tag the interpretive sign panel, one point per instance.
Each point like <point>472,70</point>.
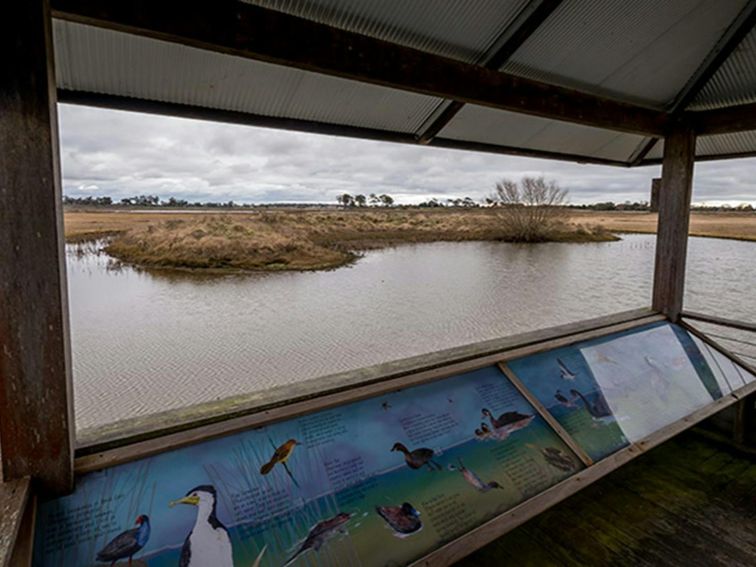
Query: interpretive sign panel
<point>381,481</point>
<point>729,375</point>
<point>620,388</point>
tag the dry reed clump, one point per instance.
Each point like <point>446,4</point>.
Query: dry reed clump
<point>285,240</point>
<point>222,243</point>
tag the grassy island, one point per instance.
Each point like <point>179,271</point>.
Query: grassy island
<point>287,239</point>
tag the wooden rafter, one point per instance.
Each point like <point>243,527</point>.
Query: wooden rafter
<point>243,30</point>
<point>117,102</point>
<point>526,23</point>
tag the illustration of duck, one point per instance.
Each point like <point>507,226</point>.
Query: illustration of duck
<point>562,399</point>
<point>208,544</point>
<point>404,519</point>
<point>319,534</point>
<point>473,479</point>
<point>418,458</point>
<point>559,459</point>
<point>507,423</point>
<point>565,372</point>
<point>483,432</point>
<point>599,410</point>
<point>126,544</point>
<point>280,455</point>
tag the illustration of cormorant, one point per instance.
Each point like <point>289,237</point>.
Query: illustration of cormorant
<point>565,372</point>
<point>319,533</point>
<point>208,544</point>
<point>404,520</point>
<point>418,458</point>
<point>599,409</point>
<point>562,399</point>
<point>281,455</point>
<point>473,479</point>
<point>126,544</point>
<point>559,459</point>
<point>507,423</point>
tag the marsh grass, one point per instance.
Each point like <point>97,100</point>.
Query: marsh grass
<point>313,240</point>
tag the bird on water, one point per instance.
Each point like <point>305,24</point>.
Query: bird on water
<point>127,543</point>
<point>320,533</point>
<point>404,520</point>
<point>418,458</point>
<point>208,544</point>
<point>508,422</point>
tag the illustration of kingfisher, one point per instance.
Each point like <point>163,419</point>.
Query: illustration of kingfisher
<point>280,455</point>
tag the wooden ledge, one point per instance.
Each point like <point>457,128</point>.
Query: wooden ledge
<point>14,496</point>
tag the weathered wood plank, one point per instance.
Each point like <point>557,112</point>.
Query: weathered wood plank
<point>36,425</point>
<point>244,30</point>
<point>544,413</point>
<point>139,429</point>
<point>14,496</point>
<point>151,446</point>
<point>23,551</point>
<point>674,219</point>
<point>713,319</point>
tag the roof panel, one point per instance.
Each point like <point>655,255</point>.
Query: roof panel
<point>103,61</point>
<point>717,145</point>
<point>480,124</point>
<point>642,51</point>
<point>459,30</point>
<point>734,82</point>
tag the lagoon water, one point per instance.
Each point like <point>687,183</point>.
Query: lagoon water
<point>145,342</point>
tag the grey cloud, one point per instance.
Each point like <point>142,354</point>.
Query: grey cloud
<point>123,154</point>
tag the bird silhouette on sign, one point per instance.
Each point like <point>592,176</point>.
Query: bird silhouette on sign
<point>127,543</point>
<point>418,458</point>
<point>320,533</point>
<point>473,479</point>
<point>404,520</point>
<point>281,454</point>
<point>565,372</point>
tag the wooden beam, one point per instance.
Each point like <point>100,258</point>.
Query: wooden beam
<point>131,104</point>
<point>674,219</point>
<point>525,24</point>
<point>721,321</point>
<point>243,30</point>
<point>97,458</point>
<point>14,497</point>
<point>739,118</point>
<point>36,425</point>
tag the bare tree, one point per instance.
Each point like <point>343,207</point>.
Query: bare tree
<point>532,210</point>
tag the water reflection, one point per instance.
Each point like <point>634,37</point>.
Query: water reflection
<point>150,341</point>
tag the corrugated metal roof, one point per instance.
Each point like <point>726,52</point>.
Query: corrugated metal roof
<point>721,144</point>
<point>479,124</point>
<point>642,51</point>
<point>459,30</point>
<point>734,82</point>
<point>103,61</point>
<point>717,145</point>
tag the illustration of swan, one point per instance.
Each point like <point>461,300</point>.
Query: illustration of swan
<point>599,410</point>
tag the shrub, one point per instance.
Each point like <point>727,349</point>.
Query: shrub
<point>533,210</point>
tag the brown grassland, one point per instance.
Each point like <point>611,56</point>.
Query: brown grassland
<point>286,239</point>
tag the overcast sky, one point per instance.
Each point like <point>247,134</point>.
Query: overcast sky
<point>122,154</point>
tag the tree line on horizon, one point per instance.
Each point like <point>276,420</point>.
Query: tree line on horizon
<point>357,201</point>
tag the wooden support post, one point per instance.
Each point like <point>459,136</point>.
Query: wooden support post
<point>674,219</point>
<point>655,186</point>
<point>36,425</point>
